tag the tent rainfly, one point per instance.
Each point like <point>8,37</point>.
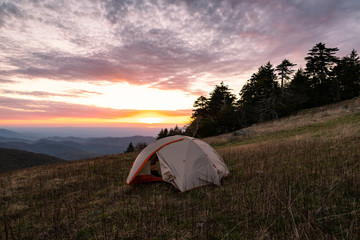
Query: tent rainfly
<point>183,161</point>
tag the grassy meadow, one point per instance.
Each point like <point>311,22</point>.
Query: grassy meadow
<point>295,178</point>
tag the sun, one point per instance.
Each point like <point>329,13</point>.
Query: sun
<point>150,120</point>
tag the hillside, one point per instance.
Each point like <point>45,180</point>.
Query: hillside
<point>11,159</point>
<point>296,178</point>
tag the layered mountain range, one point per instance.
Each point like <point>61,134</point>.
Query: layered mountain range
<point>69,148</point>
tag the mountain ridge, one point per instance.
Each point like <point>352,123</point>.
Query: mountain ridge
<point>71,148</point>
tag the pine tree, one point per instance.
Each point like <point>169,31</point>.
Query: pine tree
<point>259,96</point>
<point>220,98</point>
<point>284,71</point>
<point>320,61</point>
<point>163,133</point>
<point>201,106</point>
<point>347,74</point>
<point>140,146</point>
<point>175,131</point>
<point>130,148</point>
<point>214,115</point>
<point>300,91</point>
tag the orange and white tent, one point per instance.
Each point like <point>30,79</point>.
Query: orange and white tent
<point>183,161</point>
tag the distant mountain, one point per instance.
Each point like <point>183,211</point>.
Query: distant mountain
<point>8,133</point>
<point>4,133</point>
<point>12,139</point>
<point>12,159</point>
<point>73,148</point>
<point>110,145</point>
<point>67,139</point>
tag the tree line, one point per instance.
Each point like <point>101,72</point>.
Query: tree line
<point>276,91</point>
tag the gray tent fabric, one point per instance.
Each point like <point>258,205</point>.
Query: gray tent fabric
<point>185,162</point>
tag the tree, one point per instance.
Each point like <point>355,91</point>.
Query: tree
<point>284,71</point>
<point>163,133</point>
<point>175,131</point>
<point>259,96</point>
<point>220,98</point>
<point>130,148</point>
<point>347,74</point>
<point>320,61</point>
<point>214,115</point>
<point>201,106</point>
<point>300,91</point>
<point>140,146</point>
<point>172,132</point>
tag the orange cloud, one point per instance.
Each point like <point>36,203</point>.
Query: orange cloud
<point>30,112</point>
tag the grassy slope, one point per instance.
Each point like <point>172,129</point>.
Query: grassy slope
<point>294,178</point>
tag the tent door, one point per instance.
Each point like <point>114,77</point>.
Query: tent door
<point>155,168</point>
<point>166,172</point>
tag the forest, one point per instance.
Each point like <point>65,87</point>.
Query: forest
<point>274,92</point>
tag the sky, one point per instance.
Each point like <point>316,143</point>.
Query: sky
<point>122,63</point>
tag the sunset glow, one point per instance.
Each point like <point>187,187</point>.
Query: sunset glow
<point>150,120</point>
<point>166,118</point>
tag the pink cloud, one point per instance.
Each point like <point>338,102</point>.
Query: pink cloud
<point>21,109</point>
<point>219,38</point>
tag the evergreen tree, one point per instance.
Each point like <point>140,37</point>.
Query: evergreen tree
<point>320,61</point>
<point>130,148</point>
<point>163,133</point>
<point>201,106</point>
<point>140,146</point>
<point>259,96</point>
<point>300,91</point>
<point>347,74</point>
<point>284,71</point>
<point>214,115</point>
<point>175,131</point>
<point>220,98</point>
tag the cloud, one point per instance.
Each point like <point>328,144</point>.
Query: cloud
<point>6,81</point>
<point>82,93</point>
<point>8,11</point>
<point>167,44</point>
<point>116,10</point>
<point>23,109</point>
<point>43,94</point>
<point>12,108</point>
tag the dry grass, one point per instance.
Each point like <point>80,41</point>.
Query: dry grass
<point>311,121</point>
<point>292,179</point>
<point>310,117</point>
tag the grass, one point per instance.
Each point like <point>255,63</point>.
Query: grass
<point>299,179</point>
<point>316,130</point>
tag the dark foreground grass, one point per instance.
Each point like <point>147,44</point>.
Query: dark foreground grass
<point>300,187</point>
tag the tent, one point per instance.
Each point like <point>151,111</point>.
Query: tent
<point>183,161</point>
